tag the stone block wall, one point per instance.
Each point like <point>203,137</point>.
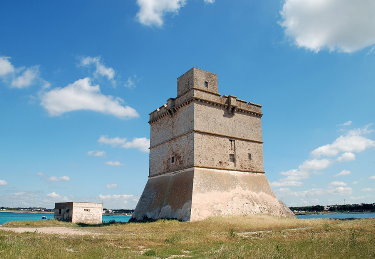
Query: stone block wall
<point>172,125</point>
<point>217,120</point>
<point>87,212</point>
<point>198,79</point>
<point>221,152</point>
<point>180,150</point>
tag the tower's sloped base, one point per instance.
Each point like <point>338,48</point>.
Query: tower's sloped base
<point>199,193</point>
<point>220,192</point>
<point>166,197</point>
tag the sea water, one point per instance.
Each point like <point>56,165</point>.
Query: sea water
<point>15,216</point>
<point>22,216</point>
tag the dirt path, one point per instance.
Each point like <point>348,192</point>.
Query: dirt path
<point>51,230</point>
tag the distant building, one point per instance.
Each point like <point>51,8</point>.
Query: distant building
<point>79,212</point>
<point>206,156</point>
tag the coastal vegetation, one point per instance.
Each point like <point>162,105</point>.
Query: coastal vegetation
<point>345,208</point>
<point>222,237</point>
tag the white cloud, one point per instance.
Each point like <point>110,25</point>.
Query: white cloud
<point>131,82</point>
<point>342,190</point>
<point>32,199</point>
<point>59,179</point>
<point>344,147</point>
<point>40,174</point>
<point>352,142</point>
<point>142,144</point>
<point>336,25</point>
<point>347,123</point>
<point>368,190</point>
<point>19,77</point>
<point>114,142</point>
<point>372,177</point>
<point>113,163</point>
<point>82,95</point>
<point>294,176</point>
<point>111,186</point>
<point>117,201</point>
<point>152,12</point>
<point>115,196</point>
<point>347,156</point>
<point>3,182</point>
<point>53,195</point>
<point>96,153</point>
<point>337,183</point>
<point>286,182</point>
<point>343,172</point>
<point>6,67</point>
<point>100,68</point>
<point>26,78</point>
<point>312,194</point>
<point>315,164</point>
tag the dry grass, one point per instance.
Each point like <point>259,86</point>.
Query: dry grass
<point>224,237</point>
<point>39,223</point>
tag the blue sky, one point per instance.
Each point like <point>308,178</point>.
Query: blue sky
<point>79,78</point>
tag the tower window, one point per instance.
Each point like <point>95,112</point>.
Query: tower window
<point>173,160</point>
<point>232,158</point>
<point>232,144</point>
<point>206,84</point>
<point>249,155</point>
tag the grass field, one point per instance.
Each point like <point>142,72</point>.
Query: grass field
<point>224,237</point>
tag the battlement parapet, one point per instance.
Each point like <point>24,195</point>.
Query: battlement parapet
<point>232,103</point>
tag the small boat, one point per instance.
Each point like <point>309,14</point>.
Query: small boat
<point>44,217</point>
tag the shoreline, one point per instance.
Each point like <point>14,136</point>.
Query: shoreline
<point>48,212</point>
<point>129,215</point>
<point>334,212</point>
<point>22,211</point>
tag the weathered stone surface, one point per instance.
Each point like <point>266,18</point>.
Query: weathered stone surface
<point>221,192</point>
<point>206,156</point>
<point>166,196</point>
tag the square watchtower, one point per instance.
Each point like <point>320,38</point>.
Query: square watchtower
<point>206,156</point>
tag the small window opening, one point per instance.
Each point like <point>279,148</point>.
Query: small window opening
<point>173,160</point>
<point>232,144</point>
<point>206,84</point>
<point>59,211</point>
<point>232,158</point>
<point>249,155</point>
<point>86,209</point>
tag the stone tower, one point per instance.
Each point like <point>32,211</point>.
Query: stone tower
<point>206,156</point>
